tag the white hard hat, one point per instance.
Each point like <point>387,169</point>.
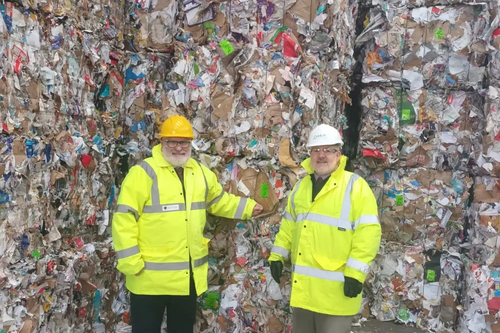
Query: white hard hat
<point>324,135</point>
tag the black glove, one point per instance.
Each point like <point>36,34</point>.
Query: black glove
<point>276,270</point>
<point>352,287</point>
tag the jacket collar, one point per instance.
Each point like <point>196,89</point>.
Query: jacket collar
<point>337,174</point>
<point>162,162</point>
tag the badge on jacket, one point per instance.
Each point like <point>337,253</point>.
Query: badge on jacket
<point>170,208</point>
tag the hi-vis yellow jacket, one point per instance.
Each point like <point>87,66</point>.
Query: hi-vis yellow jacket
<point>156,232</point>
<point>337,235</point>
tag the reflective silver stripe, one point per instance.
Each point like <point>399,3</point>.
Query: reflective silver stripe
<point>127,252</point>
<point>325,219</point>
<point>288,216</point>
<point>127,209</point>
<point>342,222</point>
<point>176,207</point>
<point>367,219</point>
<point>216,200</point>
<point>281,251</point>
<point>166,266</point>
<point>318,273</point>
<point>200,262</point>
<point>358,265</point>
<point>346,203</point>
<point>198,205</point>
<point>292,199</point>
<point>155,193</point>
<point>241,209</point>
<point>206,183</point>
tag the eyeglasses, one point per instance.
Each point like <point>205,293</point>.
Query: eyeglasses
<point>182,144</point>
<point>326,151</point>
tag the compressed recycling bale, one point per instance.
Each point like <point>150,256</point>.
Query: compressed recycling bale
<point>436,129</point>
<point>431,47</point>
<point>411,285</point>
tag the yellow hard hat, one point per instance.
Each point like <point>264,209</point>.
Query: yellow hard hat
<point>176,127</point>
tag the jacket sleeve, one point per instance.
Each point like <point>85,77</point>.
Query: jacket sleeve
<point>283,243</point>
<point>220,203</point>
<point>367,231</point>
<point>125,231</point>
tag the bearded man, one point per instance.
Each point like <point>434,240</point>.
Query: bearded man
<point>158,230</point>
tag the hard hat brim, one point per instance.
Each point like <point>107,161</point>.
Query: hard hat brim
<point>341,144</point>
<point>176,136</point>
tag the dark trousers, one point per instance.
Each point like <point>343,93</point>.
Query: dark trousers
<point>147,312</point>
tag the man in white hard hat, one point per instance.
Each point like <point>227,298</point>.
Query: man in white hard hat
<point>331,231</point>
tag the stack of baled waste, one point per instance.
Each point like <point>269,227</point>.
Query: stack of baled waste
<point>481,297</point>
<point>421,142</point>
<point>482,259</point>
<point>408,278</point>
<point>270,92</point>
<point>66,141</point>
<point>84,87</point>
<point>421,213</point>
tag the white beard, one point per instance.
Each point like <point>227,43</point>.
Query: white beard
<point>176,160</point>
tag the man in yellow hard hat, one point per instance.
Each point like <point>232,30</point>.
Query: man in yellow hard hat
<point>331,231</point>
<point>158,230</point>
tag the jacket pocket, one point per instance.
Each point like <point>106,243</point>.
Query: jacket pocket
<point>328,263</point>
<point>331,244</point>
<point>157,253</point>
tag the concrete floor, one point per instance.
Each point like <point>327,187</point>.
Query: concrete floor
<point>373,326</point>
